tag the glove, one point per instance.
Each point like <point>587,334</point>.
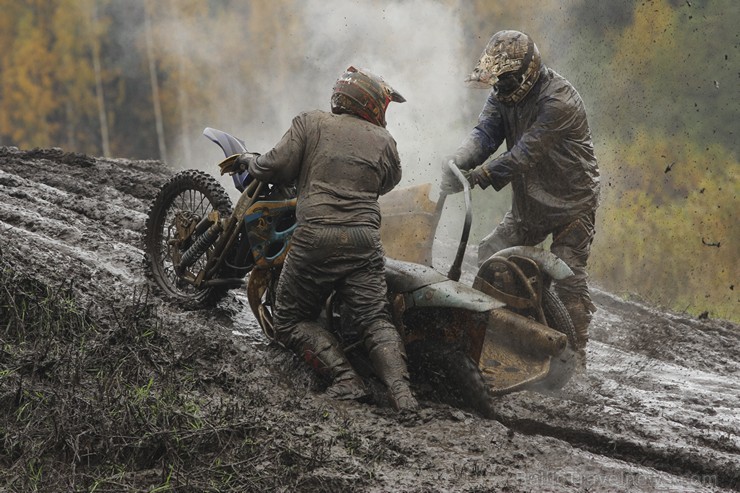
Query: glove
<point>237,163</point>
<point>477,177</point>
<point>450,184</point>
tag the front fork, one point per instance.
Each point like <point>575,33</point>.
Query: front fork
<point>204,240</point>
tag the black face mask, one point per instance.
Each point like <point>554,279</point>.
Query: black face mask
<point>507,83</point>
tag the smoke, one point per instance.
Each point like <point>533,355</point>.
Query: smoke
<point>296,54</point>
<point>416,46</point>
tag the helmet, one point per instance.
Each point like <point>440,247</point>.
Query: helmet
<point>363,94</point>
<point>510,63</point>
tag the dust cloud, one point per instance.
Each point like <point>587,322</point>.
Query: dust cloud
<point>416,46</point>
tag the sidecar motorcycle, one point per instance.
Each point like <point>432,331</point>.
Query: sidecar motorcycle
<point>506,332</point>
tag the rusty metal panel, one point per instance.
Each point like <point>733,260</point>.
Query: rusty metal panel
<point>409,221</point>
<point>517,351</point>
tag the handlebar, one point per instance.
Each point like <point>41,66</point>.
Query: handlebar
<point>456,267</point>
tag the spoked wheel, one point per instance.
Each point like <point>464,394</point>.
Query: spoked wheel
<point>182,202</point>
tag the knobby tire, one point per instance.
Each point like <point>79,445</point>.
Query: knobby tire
<point>185,182</point>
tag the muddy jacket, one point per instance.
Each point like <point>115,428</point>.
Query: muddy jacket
<point>341,163</point>
<point>550,160</point>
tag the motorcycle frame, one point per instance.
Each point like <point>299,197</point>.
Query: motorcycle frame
<point>251,207</point>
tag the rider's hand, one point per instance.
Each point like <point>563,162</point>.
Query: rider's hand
<point>450,184</point>
<point>477,177</point>
<point>237,163</point>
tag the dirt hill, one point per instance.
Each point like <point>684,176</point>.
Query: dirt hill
<point>105,386</point>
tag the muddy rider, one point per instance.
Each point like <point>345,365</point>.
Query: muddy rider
<point>549,162</point>
<point>341,162</point>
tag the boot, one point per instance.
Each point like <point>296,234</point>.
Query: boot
<point>581,317</point>
<point>321,351</point>
<point>389,362</point>
<point>348,387</point>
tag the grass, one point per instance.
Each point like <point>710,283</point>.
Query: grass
<point>112,399</point>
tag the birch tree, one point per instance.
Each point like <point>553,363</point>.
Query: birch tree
<point>156,103</point>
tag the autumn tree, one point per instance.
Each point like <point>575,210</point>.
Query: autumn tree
<point>28,83</point>
<point>668,158</point>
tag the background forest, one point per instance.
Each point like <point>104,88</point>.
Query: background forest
<point>141,79</point>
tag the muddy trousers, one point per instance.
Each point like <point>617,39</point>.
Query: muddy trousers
<point>572,244</point>
<point>349,262</point>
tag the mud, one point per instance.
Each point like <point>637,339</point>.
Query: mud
<point>657,409</point>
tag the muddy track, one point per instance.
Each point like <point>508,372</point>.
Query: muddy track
<point>684,464</point>
<point>656,409</point>
<point>661,415</point>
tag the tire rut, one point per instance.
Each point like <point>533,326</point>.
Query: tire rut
<point>684,465</point>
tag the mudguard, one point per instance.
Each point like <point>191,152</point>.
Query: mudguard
<point>404,277</point>
<point>228,143</point>
<point>423,286</point>
<point>452,294</point>
<point>548,261</point>
<point>232,147</point>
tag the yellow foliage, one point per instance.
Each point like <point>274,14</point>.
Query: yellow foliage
<point>45,72</point>
<point>667,227</point>
<point>28,83</point>
<point>649,43</point>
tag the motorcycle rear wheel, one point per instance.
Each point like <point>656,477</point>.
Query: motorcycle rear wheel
<point>190,192</point>
<point>261,296</point>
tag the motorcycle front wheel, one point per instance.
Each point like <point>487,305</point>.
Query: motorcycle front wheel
<point>189,195</point>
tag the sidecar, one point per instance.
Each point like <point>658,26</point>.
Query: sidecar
<point>509,322</point>
<point>503,332</point>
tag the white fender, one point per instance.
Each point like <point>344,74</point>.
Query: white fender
<point>548,261</point>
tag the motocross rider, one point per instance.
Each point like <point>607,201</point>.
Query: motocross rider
<point>341,162</point>
<point>549,162</point>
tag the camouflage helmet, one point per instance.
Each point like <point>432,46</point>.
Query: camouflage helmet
<point>510,63</point>
<point>364,94</point>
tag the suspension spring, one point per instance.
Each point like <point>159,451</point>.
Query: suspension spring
<point>199,247</point>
